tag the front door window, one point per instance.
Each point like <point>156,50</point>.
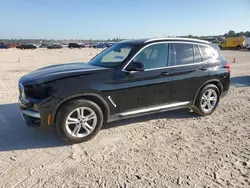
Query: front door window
<point>154,56</point>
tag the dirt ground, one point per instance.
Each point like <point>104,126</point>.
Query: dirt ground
<point>171,149</point>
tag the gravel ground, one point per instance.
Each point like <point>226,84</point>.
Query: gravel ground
<point>171,149</point>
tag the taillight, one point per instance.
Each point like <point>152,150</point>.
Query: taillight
<point>227,66</point>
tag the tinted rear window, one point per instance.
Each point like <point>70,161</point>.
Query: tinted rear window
<point>184,53</point>
<point>207,52</point>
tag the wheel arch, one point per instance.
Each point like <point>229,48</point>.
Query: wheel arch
<point>213,81</point>
<point>96,98</point>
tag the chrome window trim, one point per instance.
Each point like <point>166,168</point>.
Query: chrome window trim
<point>163,42</point>
<point>171,66</point>
<point>184,39</point>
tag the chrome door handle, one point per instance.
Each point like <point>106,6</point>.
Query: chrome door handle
<point>165,74</point>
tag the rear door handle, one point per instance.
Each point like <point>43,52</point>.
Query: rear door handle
<point>165,74</point>
<point>202,69</point>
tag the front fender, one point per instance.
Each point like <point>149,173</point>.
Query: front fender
<point>78,96</point>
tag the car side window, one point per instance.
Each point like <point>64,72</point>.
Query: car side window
<point>197,54</point>
<point>154,56</point>
<point>207,52</point>
<point>184,53</point>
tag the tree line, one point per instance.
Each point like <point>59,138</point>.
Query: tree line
<point>230,33</point>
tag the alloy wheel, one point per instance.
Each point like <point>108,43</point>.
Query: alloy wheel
<point>209,100</point>
<point>81,122</point>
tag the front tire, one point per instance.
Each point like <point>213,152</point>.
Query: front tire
<point>207,100</point>
<point>79,121</point>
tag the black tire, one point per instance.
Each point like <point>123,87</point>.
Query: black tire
<point>238,47</point>
<point>66,109</point>
<point>197,106</point>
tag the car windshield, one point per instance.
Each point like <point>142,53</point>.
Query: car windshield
<point>113,56</point>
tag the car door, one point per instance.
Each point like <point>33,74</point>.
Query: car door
<point>189,72</point>
<point>150,87</point>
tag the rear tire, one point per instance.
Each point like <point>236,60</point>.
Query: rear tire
<point>238,47</point>
<point>76,132</point>
<point>207,100</point>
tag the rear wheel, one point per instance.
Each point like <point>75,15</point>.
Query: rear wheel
<point>79,121</point>
<point>238,47</point>
<point>207,100</point>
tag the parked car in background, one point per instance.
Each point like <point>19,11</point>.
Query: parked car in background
<point>64,45</point>
<point>110,44</point>
<point>27,46</point>
<point>232,43</point>
<point>88,45</point>
<point>247,43</point>
<point>44,45</point>
<point>15,45</point>
<point>100,45</point>
<point>75,45</point>
<point>128,79</point>
<point>55,46</point>
<point>4,46</point>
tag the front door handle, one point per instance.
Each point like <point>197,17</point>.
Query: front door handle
<point>165,74</point>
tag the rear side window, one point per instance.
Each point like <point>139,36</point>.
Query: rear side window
<point>197,54</point>
<point>207,52</point>
<point>184,53</point>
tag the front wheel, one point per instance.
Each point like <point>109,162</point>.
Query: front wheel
<point>207,100</point>
<point>79,121</point>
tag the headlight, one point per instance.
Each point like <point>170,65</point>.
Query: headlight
<point>21,90</point>
<point>40,91</point>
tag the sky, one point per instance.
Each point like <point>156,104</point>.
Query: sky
<point>104,19</point>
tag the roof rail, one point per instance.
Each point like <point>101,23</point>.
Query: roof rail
<point>176,38</point>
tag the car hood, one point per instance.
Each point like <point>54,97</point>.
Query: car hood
<point>56,72</point>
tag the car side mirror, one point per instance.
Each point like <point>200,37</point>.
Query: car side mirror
<point>136,66</point>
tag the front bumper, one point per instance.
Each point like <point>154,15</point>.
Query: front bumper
<point>36,112</point>
<point>29,114</point>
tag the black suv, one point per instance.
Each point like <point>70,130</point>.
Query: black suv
<point>130,78</point>
<point>75,45</point>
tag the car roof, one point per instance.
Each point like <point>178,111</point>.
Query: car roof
<point>150,40</point>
